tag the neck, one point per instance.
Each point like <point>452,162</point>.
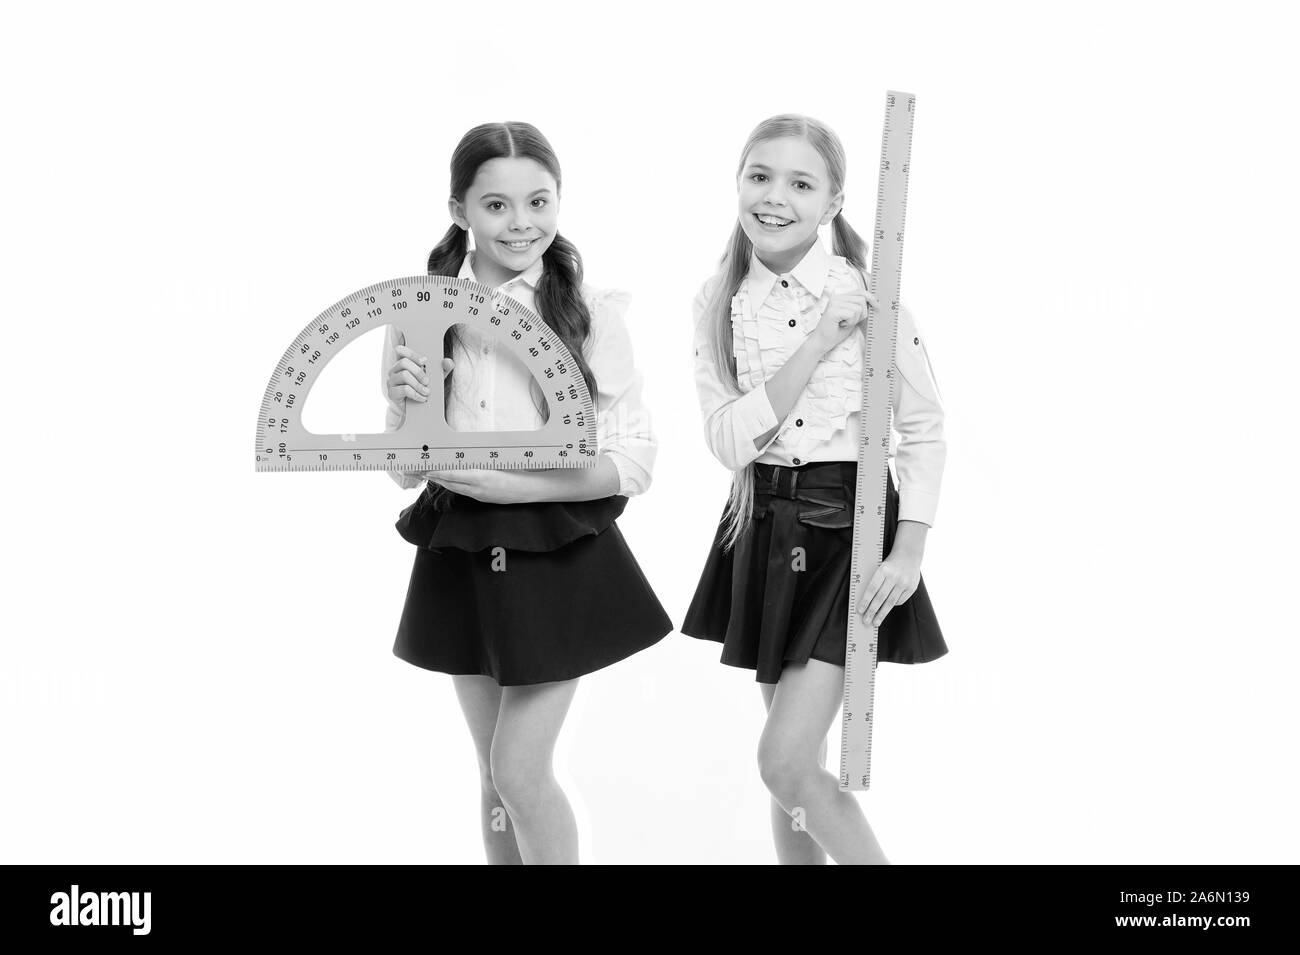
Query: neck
<point>488,272</point>
<point>785,261</point>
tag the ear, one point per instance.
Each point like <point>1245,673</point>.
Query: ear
<point>457,210</point>
<point>834,208</point>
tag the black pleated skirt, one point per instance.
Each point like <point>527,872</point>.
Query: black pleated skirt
<point>767,609</point>
<point>523,593</point>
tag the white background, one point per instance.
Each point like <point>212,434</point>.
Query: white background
<point>1101,248</point>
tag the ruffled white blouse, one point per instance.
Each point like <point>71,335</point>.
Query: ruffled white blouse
<point>771,315</point>
<point>490,386</point>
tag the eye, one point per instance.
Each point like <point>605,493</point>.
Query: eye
<point>757,177</point>
<point>806,185</point>
<point>496,202</point>
<point>540,200</point>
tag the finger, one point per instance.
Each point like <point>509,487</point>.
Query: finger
<point>448,477</point>
<point>889,603</point>
<point>411,365</point>
<point>409,391</point>
<point>416,378</point>
<point>407,352</point>
<point>404,364</point>
<point>447,366</point>
<point>872,607</point>
<point>867,594</point>
<point>413,382</point>
<point>881,587</point>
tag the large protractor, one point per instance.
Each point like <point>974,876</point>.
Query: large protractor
<point>424,307</point>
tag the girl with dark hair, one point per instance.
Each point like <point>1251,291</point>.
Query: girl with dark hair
<point>522,581</point>
<point>778,370</point>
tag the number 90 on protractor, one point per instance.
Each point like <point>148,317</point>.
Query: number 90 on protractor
<point>424,307</point>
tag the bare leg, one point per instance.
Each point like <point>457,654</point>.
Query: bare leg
<point>522,750</point>
<point>480,698</point>
<point>806,700</point>
<point>793,844</point>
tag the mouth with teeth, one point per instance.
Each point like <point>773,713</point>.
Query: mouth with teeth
<point>772,222</point>
<point>519,246</point>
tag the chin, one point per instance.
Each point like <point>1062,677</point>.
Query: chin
<point>770,243</point>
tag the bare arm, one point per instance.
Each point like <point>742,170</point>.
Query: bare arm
<point>572,484</point>
<point>784,388</point>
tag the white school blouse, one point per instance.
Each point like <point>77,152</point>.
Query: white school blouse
<point>490,386</point>
<point>771,315</point>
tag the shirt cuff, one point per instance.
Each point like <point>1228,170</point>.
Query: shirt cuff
<point>633,479</point>
<point>751,415</point>
<point>917,505</point>
<point>767,419</point>
<point>406,481</point>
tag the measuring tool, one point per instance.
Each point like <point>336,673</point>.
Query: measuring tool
<point>860,656</point>
<point>424,307</point>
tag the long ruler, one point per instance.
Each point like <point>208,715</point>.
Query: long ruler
<point>860,656</point>
<point>424,307</point>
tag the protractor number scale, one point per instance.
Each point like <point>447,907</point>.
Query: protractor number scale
<point>424,307</point>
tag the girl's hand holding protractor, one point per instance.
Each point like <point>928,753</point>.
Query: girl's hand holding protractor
<point>408,378</point>
<point>483,484</point>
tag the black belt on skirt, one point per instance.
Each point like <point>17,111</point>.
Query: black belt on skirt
<point>822,491</point>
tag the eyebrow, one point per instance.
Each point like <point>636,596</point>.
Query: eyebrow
<point>501,195</point>
<point>797,172</point>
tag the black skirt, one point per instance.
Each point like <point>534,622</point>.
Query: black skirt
<point>523,593</point>
<point>768,610</point>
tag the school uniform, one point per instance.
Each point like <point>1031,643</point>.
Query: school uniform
<point>571,597</point>
<point>765,606</point>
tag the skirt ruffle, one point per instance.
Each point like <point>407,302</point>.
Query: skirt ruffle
<point>473,525</point>
<point>769,604</point>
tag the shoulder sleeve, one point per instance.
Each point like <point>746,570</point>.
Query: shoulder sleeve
<point>733,421</point>
<point>919,420</point>
<point>623,426</point>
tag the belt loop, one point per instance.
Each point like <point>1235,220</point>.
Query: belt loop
<point>785,480</point>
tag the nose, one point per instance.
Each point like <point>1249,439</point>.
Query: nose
<point>519,221</point>
<point>775,196</point>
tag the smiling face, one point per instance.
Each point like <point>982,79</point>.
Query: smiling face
<point>785,194</point>
<point>511,207</point>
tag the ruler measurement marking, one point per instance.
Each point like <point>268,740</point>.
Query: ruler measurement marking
<point>876,418</point>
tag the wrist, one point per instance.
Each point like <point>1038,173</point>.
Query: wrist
<point>525,489</point>
<point>909,539</point>
<point>816,345</point>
